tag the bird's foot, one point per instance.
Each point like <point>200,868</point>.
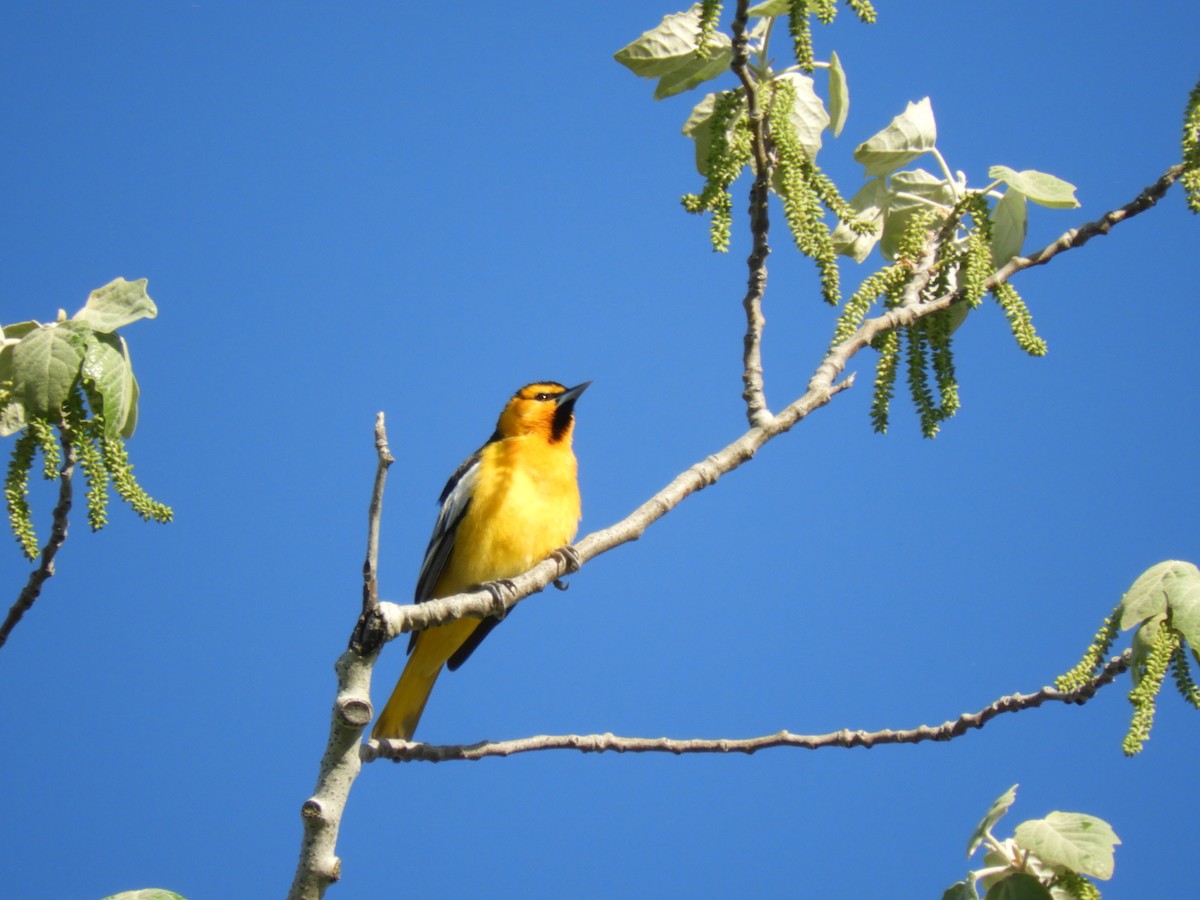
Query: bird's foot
<point>496,589</point>
<point>569,557</point>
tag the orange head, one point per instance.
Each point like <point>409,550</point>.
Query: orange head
<point>544,407</point>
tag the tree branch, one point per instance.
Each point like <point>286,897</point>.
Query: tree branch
<point>58,536</point>
<point>822,387</point>
<point>757,411</point>
<point>318,866</point>
<point>406,751</point>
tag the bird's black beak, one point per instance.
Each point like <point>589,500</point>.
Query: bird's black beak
<point>564,409</point>
<point>568,397</point>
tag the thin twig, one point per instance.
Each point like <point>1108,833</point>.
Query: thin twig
<point>753,393</point>
<point>58,536</point>
<point>374,513</point>
<point>318,865</point>
<point>406,751</point>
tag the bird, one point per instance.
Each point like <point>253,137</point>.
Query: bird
<point>507,507</point>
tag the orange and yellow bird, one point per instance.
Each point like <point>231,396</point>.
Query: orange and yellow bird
<point>508,507</point>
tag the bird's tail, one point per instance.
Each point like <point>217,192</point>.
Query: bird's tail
<point>433,647</point>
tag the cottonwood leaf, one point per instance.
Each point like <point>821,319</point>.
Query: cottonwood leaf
<point>697,69</point>
<point>1172,586</point>
<point>1019,886</point>
<point>12,418</point>
<point>12,413</point>
<point>909,135</point>
<point>1153,590</point>
<point>45,364</point>
<point>1046,190</point>
<point>770,8</point>
<point>18,330</point>
<point>912,193</point>
<point>663,48</point>
<point>1010,220</point>
<point>960,890</point>
<point>106,366</point>
<point>869,205</point>
<point>131,419</point>
<point>808,115</point>
<point>1071,841</point>
<point>117,303</point>
<point>994,814</point>
<point>1142,645</point>
<point>699,127</point>
<point>839,95</point>
<point>1183,596</point>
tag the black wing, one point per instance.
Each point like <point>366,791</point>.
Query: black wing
<point>455,499</point>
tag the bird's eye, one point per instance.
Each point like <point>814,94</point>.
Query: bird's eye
<point>543,396</point>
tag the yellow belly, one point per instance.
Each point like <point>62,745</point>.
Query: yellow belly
<point>524,506</point>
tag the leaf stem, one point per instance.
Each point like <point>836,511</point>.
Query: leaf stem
<point>946,171</point>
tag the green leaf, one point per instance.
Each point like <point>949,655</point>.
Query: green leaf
<point>12,413</point>
<point>106,366</point>
<point>960,890</point>
<point>1038,186</point>
<point>146,894</point>
<point>117,303</point>
<point>1010,220</point>
<point>1151,592</point>
<point>1072,841</point>
<point>45,365</point>
<point>1142,643</point>
<point>870,205</point>
<point>909,135</point>
<point>696,70</point>
<point>770,8</point>
<point>1183,596</point>
<point>18,330</point>
<point>994,814</point>
<point>839,95</point>
<point>699,128</point>
<point>132,419</point>
<point>664,48</point>
<point>911,193</point>
<point>1019,886</point>
<point>956,315</point>
<point>12,418</point>
<point>808,115</point>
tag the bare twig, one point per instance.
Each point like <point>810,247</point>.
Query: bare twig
<point>318,866</point>
<point>375,512</point>
<point>757,411</point>
<point>406,751</point>
<point>58,535</point>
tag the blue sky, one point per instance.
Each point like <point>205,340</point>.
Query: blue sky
<point>345,208</point>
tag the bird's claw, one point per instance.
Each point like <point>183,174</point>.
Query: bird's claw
<point>571,561</point>
<point>496,589</point>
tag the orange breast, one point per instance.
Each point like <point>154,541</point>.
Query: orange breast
<point>525,505</point>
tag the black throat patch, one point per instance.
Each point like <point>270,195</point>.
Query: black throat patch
<point>562,420</point>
